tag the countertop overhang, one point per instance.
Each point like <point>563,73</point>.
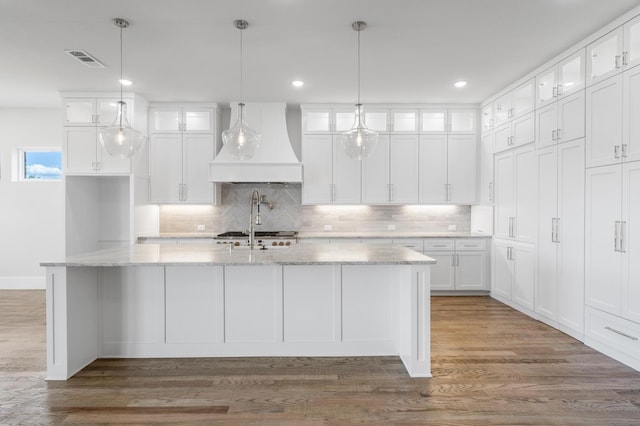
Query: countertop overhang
<point>203,255</point>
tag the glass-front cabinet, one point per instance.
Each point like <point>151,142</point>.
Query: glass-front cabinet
<point>605,56</point>
<point>91,111</point>
<point>175,119</point>
<point>631,52</point>
<point>562,79</point>
<point>404,121</point>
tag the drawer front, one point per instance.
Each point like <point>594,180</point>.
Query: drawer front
<point>616,332</point>
<point>411,243</point>
<point>471,244</point>
<point>439,245</point>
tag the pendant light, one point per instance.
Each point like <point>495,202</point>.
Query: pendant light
<point>359,142</point>
<point>119,139</point>
<point>241,141</point>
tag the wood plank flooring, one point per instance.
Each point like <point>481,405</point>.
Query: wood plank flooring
<point>491,366</point>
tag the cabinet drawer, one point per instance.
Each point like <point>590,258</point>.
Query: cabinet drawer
<point>411,243</point>
<point>439,245</point>
<point>475,244</point>
<point>615,332</point>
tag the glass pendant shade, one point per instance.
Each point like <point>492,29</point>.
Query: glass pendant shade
<point>359,142</point>
<point>240,140</point>
<point>119,139</point>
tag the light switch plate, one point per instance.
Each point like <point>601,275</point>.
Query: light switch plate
<point>452,227</point>
<point>200,227</point>
<point>327,227</point>
<point>391,227</point>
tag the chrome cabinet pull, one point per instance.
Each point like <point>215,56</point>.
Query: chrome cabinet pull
<point>560,89</point>
<point>559,134</point>
<point>553,135</point>
<point>628,336</point>
<point>615,235</point>
<point>616,151</point>
<point>617,62</point>
<point>624,150</point>
<point>555,91</point>
<point>553,229</point>
<point>512,226</point>
<point>623,225</point>
<point>625,58</point>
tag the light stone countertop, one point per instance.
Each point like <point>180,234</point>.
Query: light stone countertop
<point>329,234</point>
<point>207,255</point>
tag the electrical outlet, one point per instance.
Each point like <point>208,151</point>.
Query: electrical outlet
<point>452,227</point>
<point>391,227</point>
<point>200,227</point>
<point>327,227</point>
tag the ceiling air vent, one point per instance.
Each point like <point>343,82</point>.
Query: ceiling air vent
<point>85,58</point>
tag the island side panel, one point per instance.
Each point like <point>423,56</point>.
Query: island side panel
<point>413,318</point>
<point>72,320</point>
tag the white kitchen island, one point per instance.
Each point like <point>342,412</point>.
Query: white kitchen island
<point>156,300</point>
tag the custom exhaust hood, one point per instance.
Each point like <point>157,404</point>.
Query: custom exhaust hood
<point>274,160</point>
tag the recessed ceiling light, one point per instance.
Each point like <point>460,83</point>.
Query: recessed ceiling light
<point>459,84</point>
<point>297,83</point>
<point>126,82</point>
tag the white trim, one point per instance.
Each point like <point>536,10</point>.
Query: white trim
<point>23,283</point>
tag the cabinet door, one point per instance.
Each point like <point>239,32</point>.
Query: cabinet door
<point>486,169</point>
<point>525,176</point>
<point>461,175</point>
<point>571,112</point>
<point>347,177</point>
<point>523,287</point>
<point>433,169</point>
<point>107,111</point>
<point>198,152</point>
<point>108,164</point>
<point>502,111</point>
<point>605,56</point>
<point>571,235</point>
<point>630,113</point>
<point>433,121</point>
<point>317,157</point>
<point>471,270</point>
<point>343,119</point>
<point>502,138</point>
<point>546,125</point>
<point>404,121</point>
<point>487,117</point>
<point>631,242</point>
<point>502,271</point>
<point>571,74</point>
<point>165,163</point>
<point>522,99</point>
<point>79,111</point>
<point>442,273</point>
<point>80,156</point>
<point>197,120</point>
<point>546,86</point>
<point>375,174</point>
<point>377,119</point>
<point>316,121</point>
<point>631,54</point>
<point>603,262</point>
<point>403,169</point>
<point>546,267</point>
<point>165,120</point>
<point>523,130</point>
<point>462,121</point>
<point>504,194</point>
<point>604,122</point>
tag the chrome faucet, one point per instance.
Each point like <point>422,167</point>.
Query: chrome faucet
<point>255,199</point>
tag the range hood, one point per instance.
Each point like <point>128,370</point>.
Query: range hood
<point>274,159</point>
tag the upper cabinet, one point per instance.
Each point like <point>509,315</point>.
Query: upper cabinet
<point>441,120</point>
<point>511,105</point>
<point>327,120</point>
<point>84,114</point>
<point>615,51</point>
<point>178,119</point>
<point>404,121</point>
<point>562,79</point>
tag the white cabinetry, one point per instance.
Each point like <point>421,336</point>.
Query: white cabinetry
<point>513,274</point>
<point>447,169</point>
<point>182,145</point>
<point>485,184</point>
<point>561,121</point>
<point>519,131</point>
<point>560,247</point>
<point>441,120</point>
<point>563,79</point>
<point>614,52</point>
<point>390,175</point>
<point>612,273</point>
<point>84,114</point>
<point>330,176</point>
<point>461,264</point>
<point>515,200</point>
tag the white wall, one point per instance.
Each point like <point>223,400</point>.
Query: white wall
<point>31,213</point>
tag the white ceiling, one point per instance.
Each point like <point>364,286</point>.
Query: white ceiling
<point>188,50</point>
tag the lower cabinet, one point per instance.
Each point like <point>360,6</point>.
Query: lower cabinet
<point>513,274</point>
<point>461,264</point>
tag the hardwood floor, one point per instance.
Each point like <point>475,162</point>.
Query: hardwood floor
<point>491,366</point>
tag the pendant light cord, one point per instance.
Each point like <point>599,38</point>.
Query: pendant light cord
<point>120,106</point>
<point>358,67</point>
<point>241,69</point>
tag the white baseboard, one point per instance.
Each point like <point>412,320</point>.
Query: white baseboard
<point>23,283</point>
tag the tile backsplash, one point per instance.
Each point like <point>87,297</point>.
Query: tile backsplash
<point>282,210</point>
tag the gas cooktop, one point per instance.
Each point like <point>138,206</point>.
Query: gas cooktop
<point>259,234</point>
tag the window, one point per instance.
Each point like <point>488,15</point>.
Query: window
<point>40,164</point>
